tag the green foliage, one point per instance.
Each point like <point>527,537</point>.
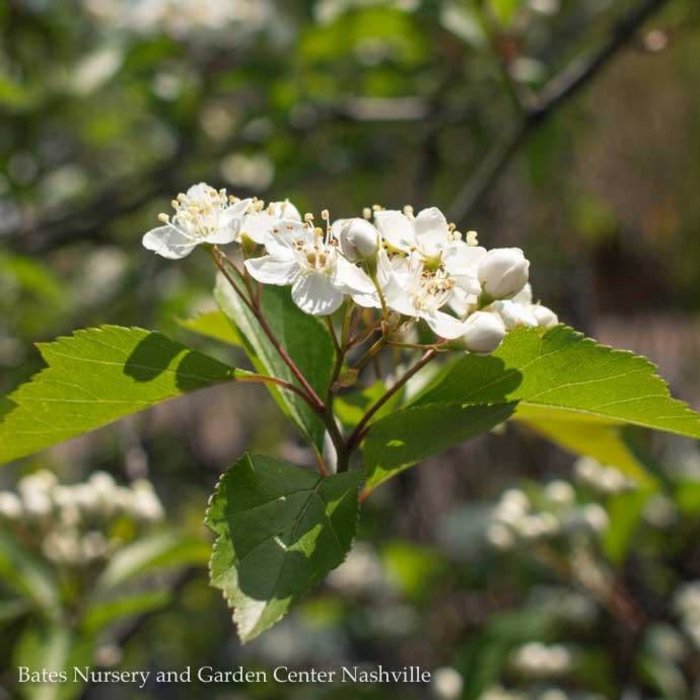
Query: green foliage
<point>212,324</point>
<point>411,434</point>
<point>302,336</point>
<point>575,392</point>
<point>279,530</point>
<point>97,376</point>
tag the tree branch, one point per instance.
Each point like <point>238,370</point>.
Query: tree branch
<point>556,92</point>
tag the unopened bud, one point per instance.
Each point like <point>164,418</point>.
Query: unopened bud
<point>358,239</point>
<point>503,272</point>
<point>484,332</point>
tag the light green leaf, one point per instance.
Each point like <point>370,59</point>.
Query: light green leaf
<point>158,552</point>
<point>304,338</point>
<point>97,376</point>
<point>103,613</point>
<point>28,576</point>
<point>213,324</point>
<point>572,390</point>
<point>403,438</point>
<point>279,530</point>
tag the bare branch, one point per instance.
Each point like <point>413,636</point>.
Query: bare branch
<point>557,91</point>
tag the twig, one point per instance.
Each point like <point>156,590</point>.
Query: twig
<point>360,429</point>
<point>557,91</point>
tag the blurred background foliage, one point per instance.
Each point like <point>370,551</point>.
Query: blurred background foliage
<point>570,128</point>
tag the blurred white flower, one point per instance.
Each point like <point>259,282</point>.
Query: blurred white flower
<point>446,683</point>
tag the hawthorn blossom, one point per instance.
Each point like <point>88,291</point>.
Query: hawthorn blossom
<point>436,245</point>
<point>421,294</point>
<point>259,221</point>
<point>202,215</point>
<point>302,256</point>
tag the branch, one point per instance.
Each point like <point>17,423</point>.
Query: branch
<point>557,91</point>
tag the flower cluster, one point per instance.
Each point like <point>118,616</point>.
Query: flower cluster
<point>516,518</point>
<point>76,525</point>
<point>409,266</point>
<point>181,19</point>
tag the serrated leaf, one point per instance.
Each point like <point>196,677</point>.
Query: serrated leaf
<point>213,324</point>
<point>403,438</point>
<point>97,376</point>
<point>572,390</point>
<point>304,338</point>
<point>279,530</point>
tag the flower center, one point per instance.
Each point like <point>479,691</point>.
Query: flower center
<point>434,289</point>
<point>316,256</point>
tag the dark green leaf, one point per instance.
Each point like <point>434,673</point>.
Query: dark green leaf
<point>279,530</point>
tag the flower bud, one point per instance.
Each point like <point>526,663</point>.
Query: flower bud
<point>484,332</point>
<point>514,315</point>
<point>503,272</point>
<point>546,318</point>
<point>358,239</point>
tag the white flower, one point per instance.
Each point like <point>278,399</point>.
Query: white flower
<point>10,506</point>
<point>483,332</point>
<point>299,255</point>
<point>357,238</point>
<point>420,294</point>
<point>503,272</point>
<point>429,237</point>
<point>202,215</point>
<point>259,222</point>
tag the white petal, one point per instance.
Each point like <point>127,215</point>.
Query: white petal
<point>314,294</point>
<point>283,233</point>
<point>444,325</point>
<point>257,226</point>
<point>397,297</point>
<point>431,231</point>
<point>273,270</point>
<point>284,210</point>
<point>169,242</point>
<point>351,279</point>
<point>396,229</point>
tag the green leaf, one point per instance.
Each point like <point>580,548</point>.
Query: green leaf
<point>28,576</point>
<point>403,438</point>
<point>103,613</point>
<point>304,338</point>
<point>97,376</point>
<point>279,530</point>
<point>570,389</point>
<point>155,553</point>
<point>213,324</point>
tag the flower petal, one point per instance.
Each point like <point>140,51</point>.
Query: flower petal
<point>431,231</point>
<point>396,229</point>
<point>169,242</point>
<point>284,232</point>
<point>444,325</point>
<point>314,294</point>
<point>257,226</point>
<point>273,270</point>
<point>351,279</point>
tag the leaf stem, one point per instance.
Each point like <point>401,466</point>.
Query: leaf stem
<point>221,262</point>
<point>361,428</point>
